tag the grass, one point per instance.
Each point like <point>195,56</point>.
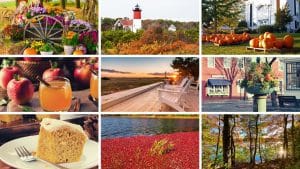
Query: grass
<point>210,49</point>
<point>118,84</point>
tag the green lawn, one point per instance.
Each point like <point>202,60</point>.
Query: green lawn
<point>210,49</point>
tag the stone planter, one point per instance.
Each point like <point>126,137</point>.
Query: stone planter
<point>68,50</point>
<point>260,97</point>
<point>46,53</point>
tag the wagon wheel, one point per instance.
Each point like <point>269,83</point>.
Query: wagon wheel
<point>80,28</point>
<point>44,28</point>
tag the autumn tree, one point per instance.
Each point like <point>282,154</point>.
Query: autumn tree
<point>187,66</point>
<point>283,17</point>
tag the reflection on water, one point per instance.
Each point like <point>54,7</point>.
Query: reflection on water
<point>123,127</point>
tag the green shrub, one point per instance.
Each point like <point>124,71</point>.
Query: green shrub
<point>161,147</point>
<point>267,28</point>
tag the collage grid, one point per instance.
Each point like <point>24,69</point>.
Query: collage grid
<point>233,108</point>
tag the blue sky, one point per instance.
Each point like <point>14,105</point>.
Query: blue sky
<point>179,10</point>
<point>137,66</point>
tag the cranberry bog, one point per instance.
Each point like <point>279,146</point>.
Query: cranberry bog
<point>135,152</point>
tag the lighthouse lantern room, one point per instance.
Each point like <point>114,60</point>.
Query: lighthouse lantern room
<point>137,18</point>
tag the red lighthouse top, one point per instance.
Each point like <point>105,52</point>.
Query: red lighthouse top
<point>137,12</point>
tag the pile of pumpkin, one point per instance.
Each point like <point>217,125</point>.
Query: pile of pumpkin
<point>226,39</point>
<point>268,41</point>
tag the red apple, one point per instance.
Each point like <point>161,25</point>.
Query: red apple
<point>32,59</point>
<point>96,66</point>
<point>6,74</point>
<point>20,90</point>
<point>52,72</point>
<point>83,75</point>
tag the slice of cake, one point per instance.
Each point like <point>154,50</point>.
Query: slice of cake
<point>60,141</point>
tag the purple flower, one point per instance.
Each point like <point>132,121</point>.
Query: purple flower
<point>78,23</point>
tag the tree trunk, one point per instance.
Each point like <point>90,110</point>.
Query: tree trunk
<point>259,145</point>
<point>256,138</point>
<point>63,4</point>
<point>293,138</point>
<point>226,139</point>
<point>285,137</point>
<point>42,2</point>
<point>218,141</point>
<point>250,141</point>
<point>232,146</point>
<point>230,90</point>
<point>77,3</point>
<point>215,19</point>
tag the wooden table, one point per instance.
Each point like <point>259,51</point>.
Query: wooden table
<point>85,106</point>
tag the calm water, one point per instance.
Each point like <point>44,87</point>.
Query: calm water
<point>123,127</point>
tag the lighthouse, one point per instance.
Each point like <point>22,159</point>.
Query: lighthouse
<point>137,18</point>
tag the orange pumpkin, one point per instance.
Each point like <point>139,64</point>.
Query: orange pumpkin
<point>260,43</point>
<point>266,34</point>
<point>278,44</point>
<point>271,36</point>
<point>288,41</point>
<point>78,52</point>
<point>30,51</point>
<point>254,43</point>
<point>267,43</point>
<point>261,37</point>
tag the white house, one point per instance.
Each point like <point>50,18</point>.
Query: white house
<point>172,28</point>
<point>262,12</point>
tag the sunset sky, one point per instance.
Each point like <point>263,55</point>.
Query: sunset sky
<point>136,67</point>
<point>177,10</point>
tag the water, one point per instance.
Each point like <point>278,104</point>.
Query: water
<point>124,127</point>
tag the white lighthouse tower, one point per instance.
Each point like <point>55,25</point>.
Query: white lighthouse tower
<point>137,18</point>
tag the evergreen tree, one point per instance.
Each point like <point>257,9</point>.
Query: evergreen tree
<point>214,12</point>
<point>283,17</point>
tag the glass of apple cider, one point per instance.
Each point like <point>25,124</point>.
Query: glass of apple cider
<point>94,86</point>
<point>58,96</point>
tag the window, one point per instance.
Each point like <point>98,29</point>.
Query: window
<point>227,62</point>
<point>293,76</point>
<point>211,62</point>
<point>241,63</point>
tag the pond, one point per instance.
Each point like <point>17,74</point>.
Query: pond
<point>124,127</point>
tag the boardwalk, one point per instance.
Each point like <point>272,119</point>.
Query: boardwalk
<point>148,102</point>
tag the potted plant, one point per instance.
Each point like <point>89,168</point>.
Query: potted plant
<point>259,81</point>
<point>70,40</point>
<point>46,49</point>
<point>90,40</point>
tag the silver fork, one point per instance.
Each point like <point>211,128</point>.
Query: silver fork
<point>26,156</point>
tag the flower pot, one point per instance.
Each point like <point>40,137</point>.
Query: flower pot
<point>68,50</point>
<point>46,53</point>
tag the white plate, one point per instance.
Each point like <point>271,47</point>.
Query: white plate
<point>8,155</point>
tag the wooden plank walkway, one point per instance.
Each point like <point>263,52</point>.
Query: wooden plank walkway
<point>149,102</point>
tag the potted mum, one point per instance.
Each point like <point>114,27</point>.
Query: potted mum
<point>259,81</point>
<point>70,40</point>
<point>46,49</point>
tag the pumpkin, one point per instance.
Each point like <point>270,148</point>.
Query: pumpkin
<point>261,37</point>
<point>30,51</point>
<point>271,36</point>
<point>278,44</point>
<point>78,52</point>
<point>260,43</point>
<point>266,34</point>
<point>267,43</point>
<point>254,43</point>
<point>288,41</point>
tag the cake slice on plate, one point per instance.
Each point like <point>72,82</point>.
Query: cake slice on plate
<point>60,141</point>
